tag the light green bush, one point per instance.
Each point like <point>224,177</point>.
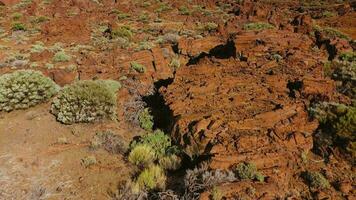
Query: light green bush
<point>138,67</point>
<point>146,119</point>
<point>248,171</point>
<point>170,162</point>
<point>152,178</point>
<point>25,88</point>
<point>258,26</point>
<point>158,141</point>
<point>61,56</point>
<point>85,101</point>
<point>142,155</point>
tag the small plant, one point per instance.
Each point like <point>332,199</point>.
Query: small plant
<point>348,56</point>
<point>85,101</point>
<point>123,32</point>
<point>258,26</point>
<point>146,119</point>
<point>16,16</point>
<point>216,194</point>
<point>38,47</point>
<point>138,67</point>
<point>163,7</point>
<point>25,88</point>
<point>175,62</point>
<point>18,27</point>
<point>142,155</point>
<point>145,45</point>
<point>248,171</point>
<point>40,19</point>
<point>331,32</point>
<point>170,162</point>
<point>61,56</point>
<point>158,141</point>
<point>184,10</point>
<point>316,180</point>
<point>152,178</point>
<point>328,14</point>
<point>88,161</point>
<point>210,26</point>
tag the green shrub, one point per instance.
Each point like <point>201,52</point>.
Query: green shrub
<point>316,180</point>
<point>184,10</point>
<point>142,155</point>
<point>146,119</point>
<point>348,56</point>
<point>258,26</point>
<point>18,27</point>
<point>138,67</point>
<point>123,32</point>
<point>210,26</point>
<point>216,194</point>
<point>85,101</point>
<point>248,171</point>
<point>25,88</point>
<point>170,162</point>
<point>152,178</point>
<point>337,119</point>
<point>16,16</point>
<point>331,32</point>
<point>38,47</point>
<point>158,141</point>
<point>61,56</point>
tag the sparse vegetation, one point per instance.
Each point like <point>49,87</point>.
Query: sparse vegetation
<point>142,155</point>
<point>88,161</point>
<point>316,180</point>
<point>248,171</point>
<point>138,67</point>
<point>85,101</point>
<point>146,119</point>
<point>258,26</point>
<point>111,142</point>
<point>152,178</point>
<point>18,27</point>
<point>61,56</point>
<point>25,88</point>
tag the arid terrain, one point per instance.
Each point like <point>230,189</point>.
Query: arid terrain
<point>177,100</point>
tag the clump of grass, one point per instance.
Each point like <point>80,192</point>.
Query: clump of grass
<point>40,19</point>
<point>25,88</point>
<point>18,27</point>
<point>331,32</point>
<point>138,67</point>
<point>159,142</point>
<point>146,119</point>
<point>123,32</point>
<point>170,162</point>
<point>88,161</point>
<point>152,178</point>
<point>348,56</point>
<point>258,26</point>
<point>16,16</point>
<point>183,10</point>
<point>85,101</point>
<point>163,7</point>
<point>316,180</point>
<point>210,26</point>
<point>61,56</point>
<point>216,194</point>
<point>142,155</point>
<point>248,171</point>
<point>38,47</point>
<point>145,45</point>
<point>328,14</point>
<point>175,62</point>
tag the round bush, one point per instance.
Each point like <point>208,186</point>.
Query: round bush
<point>25,88</point>
<point>142,155</point>
<point>152,178</point>
<point>85,101</point>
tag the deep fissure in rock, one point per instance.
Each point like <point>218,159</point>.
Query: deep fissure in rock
<point>223,51</point>
<point>162,115</point>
